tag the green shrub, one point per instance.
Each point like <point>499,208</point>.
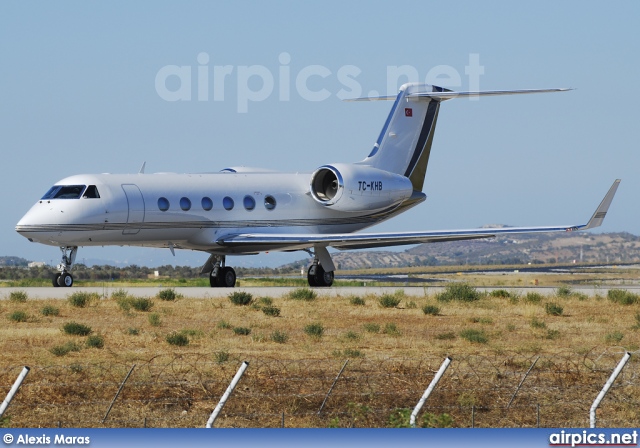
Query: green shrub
<point>154,320</point>
<point>192,332</point>
<point>76,329</point>
<point>614,337</point>
<point>473,335</point>
<point>352,353</point>
<point>168,295</point>
<point>271,310</point>
<point>580,296</point>
<point>359,301</point>
<point>133,332</point>
<point>370,327</point>
<point>240,298</point>
<point>221,356</point>
<point>95,341</point>
<point>305,294</point>
<point>352,335</point>
<point>412,305</point>
<point>552,334</point>
<point>119,294</point>
<point>431,310</point>
<point>315,330</point>
<point>141,303</point>
<point>61,350</point>
<point>178,339</point>
<point>224,325</point>
<point>430,420</point>
<point>267,301</point>
<point>636,326</point>
<point>389,301</point>
<point>18,296</point>
<point>446,336</point>
<point>400,418</point>
<point>501,293</point>
<point>279,336</point>
<point>391,329</point>
<point>563,291</point>
<point>622,297</point>
<point>533,297</point>
<point>18,316</point>
<point>82,299</point>
<point>462,292</point>
<point>535,323</point>
<point>553,309</point>
<point>242,331</point>
<point>50,310</point>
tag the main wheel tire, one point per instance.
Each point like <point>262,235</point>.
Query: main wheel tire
<point>67,280</point>
<point>213,281</point>
<point>55,280</point>
<point>322,277</point>
<point>311,278</point>
<point>227,277</point>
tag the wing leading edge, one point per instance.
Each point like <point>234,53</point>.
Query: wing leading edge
<point>373,240</point>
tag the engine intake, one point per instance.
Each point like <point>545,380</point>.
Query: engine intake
<point>355,187</point>
<point>327,185</point>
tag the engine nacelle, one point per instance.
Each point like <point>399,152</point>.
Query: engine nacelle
<point>354,188</point>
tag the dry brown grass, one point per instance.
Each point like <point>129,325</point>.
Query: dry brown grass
<point>179,386</point>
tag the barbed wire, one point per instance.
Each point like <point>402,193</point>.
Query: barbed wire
<point>181,391</point>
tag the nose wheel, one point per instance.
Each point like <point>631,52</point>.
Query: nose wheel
<point>63,278</point>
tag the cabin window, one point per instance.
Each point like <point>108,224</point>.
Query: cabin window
<point>185,204</point>
<point>269,202</point>
<point>64,192</point>
<point>207,203</point>
<point>91,192</point>
<point>249,202</point>
<point>227,203</point>
<point>163,204</point>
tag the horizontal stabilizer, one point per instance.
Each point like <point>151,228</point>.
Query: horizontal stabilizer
<point>448,95</point>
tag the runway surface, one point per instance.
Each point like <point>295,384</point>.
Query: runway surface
<point>204,293</point>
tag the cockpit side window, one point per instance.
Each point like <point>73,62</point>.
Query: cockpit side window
<point>64,192</point>
<point>91,192</point>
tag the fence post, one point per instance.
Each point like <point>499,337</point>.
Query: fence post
<point>473,416</point>
<point>14,389</point>
<point>332,386</point>
<point>427,392</point>
<point>605,389</point>
<point>522,381</point>
<point>118,393</point>
<point>227,393</point>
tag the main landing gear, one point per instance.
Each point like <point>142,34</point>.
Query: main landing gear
<point>320,272</point>
<point>63,278</point>
<point>220,276</point>
<point>317,276</point>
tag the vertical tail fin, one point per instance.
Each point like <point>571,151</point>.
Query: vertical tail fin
<point>404,144</point>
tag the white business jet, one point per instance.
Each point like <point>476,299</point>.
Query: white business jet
<point>242,211</point>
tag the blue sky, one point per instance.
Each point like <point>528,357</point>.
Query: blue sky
<point>79,95</point>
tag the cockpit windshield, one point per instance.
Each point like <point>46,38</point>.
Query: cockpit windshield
<point>64,192</point>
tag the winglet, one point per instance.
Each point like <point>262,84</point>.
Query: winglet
<point>601,211</point>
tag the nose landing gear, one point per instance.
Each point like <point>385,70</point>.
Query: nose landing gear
<point>63,278</point>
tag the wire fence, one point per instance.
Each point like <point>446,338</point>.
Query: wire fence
<point>182,390</point>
